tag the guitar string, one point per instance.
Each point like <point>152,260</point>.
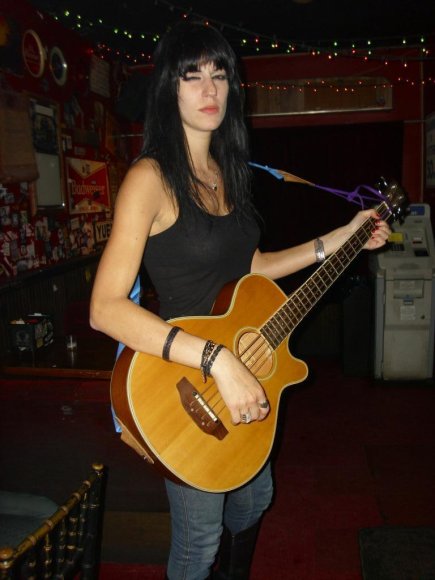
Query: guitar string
<point>263,341</point>
<point>255,353</point>
<point>251,351</point>
<point>249,364</point>
<point>267,350</point>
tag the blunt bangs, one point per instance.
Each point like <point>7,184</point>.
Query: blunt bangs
<point>193,61</point>
<point>194,44</point>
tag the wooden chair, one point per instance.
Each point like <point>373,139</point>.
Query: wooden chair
<point>67,544</point>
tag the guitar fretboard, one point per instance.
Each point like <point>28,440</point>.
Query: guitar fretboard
<point>285,320</point>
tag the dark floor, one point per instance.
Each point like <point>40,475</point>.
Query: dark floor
<point>351,453</point>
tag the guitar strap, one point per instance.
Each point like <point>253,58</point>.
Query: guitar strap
<point>135,297</point>
<point>360,195</point>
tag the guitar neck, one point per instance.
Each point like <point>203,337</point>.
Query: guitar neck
<point>300,302</point>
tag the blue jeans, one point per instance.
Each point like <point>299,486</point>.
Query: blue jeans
<point>197,519</point>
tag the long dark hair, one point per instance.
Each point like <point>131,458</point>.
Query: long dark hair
<point>184,48</point>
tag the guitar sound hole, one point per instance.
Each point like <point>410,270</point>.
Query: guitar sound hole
<point>255,353</point>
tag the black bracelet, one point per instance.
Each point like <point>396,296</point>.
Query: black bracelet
<point>208,349</point>
<point>212,358</point>
<point>168,342</point>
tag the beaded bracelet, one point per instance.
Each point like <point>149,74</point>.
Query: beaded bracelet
<point>168,342</point>
<point>209,354</point>
<point>212,358</point>
<point>208,349</point>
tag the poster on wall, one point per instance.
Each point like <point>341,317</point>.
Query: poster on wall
<point>88,187</point>
<point>430,150</point>
<point>99,76</point>
<point>17,155</point>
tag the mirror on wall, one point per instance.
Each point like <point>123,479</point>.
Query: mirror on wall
<point>46,142</point>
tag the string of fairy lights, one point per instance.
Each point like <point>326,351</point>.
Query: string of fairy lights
<point>243,40</point>
<point>135,47</point>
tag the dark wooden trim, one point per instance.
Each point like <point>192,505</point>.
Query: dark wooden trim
<point>24,279</point>
<point>94,359</point>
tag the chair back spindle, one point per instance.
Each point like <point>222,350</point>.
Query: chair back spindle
<point>64,545</point>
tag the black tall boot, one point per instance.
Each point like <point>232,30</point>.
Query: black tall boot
<point>235,554</point>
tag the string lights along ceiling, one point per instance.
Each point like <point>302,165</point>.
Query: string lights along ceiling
<point>131,28</point>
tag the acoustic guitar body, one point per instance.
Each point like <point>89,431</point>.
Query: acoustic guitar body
<point>181,424</point>
<point>186,428</point>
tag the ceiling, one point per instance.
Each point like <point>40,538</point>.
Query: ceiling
<point>252,26</point>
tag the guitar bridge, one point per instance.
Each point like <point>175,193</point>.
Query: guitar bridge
<point>199,411</point>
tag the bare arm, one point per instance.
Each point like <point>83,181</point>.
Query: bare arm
<point>282,263</point>
<point>143,208</point>
<point>111,310</point>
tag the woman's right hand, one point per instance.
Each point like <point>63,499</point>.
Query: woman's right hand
<point>242,393</point>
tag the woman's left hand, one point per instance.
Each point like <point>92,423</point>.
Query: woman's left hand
<point>379,235</point>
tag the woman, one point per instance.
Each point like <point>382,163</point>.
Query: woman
<point>184,210</point>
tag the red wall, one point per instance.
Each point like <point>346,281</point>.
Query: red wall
<point>412,102</point>
<point>21,16</point>
<point>32,237</point>
<point>407,100</point>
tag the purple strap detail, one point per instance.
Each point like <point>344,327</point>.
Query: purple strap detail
<point>356,196</point>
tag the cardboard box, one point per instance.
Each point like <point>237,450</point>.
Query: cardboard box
<point>31,332</point>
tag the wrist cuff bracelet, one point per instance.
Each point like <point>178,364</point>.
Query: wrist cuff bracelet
<point>319,250</point>
<point>168,342</point>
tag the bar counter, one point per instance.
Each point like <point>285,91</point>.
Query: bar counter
<point>93,358</point>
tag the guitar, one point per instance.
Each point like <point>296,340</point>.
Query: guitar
<point>181,425</point>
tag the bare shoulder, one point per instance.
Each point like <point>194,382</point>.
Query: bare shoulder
<point>143,181</point>
<point>146,168</point>
<point>143,193</point>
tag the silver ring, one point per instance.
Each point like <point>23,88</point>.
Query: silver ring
<point>246,417</point>
<point>263,404</point>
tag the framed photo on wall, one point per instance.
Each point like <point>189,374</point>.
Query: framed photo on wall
<point>44,116</point>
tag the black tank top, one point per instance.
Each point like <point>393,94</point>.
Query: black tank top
<point>191,261</point>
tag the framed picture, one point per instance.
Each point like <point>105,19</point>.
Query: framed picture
<point>44,116</point>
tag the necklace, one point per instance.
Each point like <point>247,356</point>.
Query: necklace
<point>206,181</point>
<point>214,184</point>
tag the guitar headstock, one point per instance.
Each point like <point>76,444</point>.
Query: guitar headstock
<point>395,197</point>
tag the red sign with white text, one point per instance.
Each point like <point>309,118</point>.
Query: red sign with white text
<point>88,186</point>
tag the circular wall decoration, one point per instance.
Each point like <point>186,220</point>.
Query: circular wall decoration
<point>33,53</point>
<point>58,66</point>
